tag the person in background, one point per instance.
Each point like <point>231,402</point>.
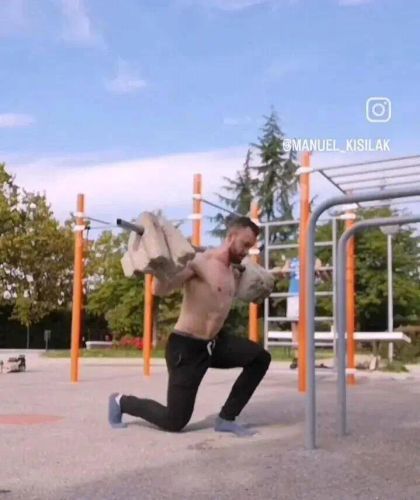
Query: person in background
<point>290,270</point>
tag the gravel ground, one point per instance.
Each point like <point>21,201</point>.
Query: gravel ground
<point>77,456</point>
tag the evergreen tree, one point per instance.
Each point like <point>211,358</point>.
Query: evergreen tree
<point>276,174</point>
<point>240,193</point>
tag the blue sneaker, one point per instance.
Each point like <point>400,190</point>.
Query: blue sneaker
<point>114,413</point>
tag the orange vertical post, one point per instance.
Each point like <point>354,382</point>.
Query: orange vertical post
<point>147,323</point>
<point>253,330</point>
<point>350,305</point>
<point>304,220</point>
<point>197,211</point>
<point>76,320</point>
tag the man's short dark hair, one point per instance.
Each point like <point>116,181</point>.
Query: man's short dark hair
<point>242,222</point>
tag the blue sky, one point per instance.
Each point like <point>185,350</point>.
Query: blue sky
<point>106,86</point>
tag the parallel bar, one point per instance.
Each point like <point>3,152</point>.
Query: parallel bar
<point>341,303</point>
<point>310,421</point>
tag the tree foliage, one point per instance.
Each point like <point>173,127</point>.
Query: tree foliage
<point>36,254</point>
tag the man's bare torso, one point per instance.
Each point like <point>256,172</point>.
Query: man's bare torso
<point>208,297</point>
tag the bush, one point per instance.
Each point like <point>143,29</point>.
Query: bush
<point>395,366</point>
<point>408,353</point>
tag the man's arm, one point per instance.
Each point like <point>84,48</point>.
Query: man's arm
<point>163,288</point>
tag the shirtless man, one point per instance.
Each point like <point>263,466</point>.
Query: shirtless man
<point>197,343</point>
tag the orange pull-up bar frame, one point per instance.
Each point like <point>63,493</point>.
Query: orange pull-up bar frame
<point>304,182</point>
<point>253,327</point>
<point>76,319</point>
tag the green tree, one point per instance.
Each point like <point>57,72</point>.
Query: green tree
<point>110,295</point>
<point>38,265</point>
<point>371,275</point>
<point>240,192</point>
<point>276,173</point>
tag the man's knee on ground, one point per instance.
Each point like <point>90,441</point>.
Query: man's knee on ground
<point>176,424</point>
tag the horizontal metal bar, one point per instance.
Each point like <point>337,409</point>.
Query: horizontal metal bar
<point>280,223</point>
<point>288,343</point>
<point>387,160</point>
<point>281,319</point>
<point>375,170</point>
<point>292,222</point>
<point>97,220</point>
<point>215,205</point>
<point>288,294</point>
<point>384,187</point>
<point>382,177</point>
<point>360,336</point>
<point>282,246</point>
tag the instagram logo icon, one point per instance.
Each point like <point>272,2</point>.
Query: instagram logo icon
<point>378,109</point>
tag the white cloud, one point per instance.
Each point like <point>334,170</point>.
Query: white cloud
<point>126,80</point>
<point>14,120</point>
<point>78,27</point>
<point>126,188</point>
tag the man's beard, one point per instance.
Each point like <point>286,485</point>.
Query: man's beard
<point>234,257</point>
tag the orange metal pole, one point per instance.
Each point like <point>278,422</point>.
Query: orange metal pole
<point>350,305</point>
<point>147,323</point>
<point>197,211</point>
<point>304,220</point>
<point>77,289</point>
<point>253,330</point>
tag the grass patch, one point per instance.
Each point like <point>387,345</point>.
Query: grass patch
<point>396,367</point>
<point>105,353</point>
<point>277,353</point>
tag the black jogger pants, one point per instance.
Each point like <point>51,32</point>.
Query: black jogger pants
<point>187,360</point>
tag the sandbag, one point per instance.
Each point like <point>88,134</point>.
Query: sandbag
<point>162,250</point>
<point>255,283</point>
